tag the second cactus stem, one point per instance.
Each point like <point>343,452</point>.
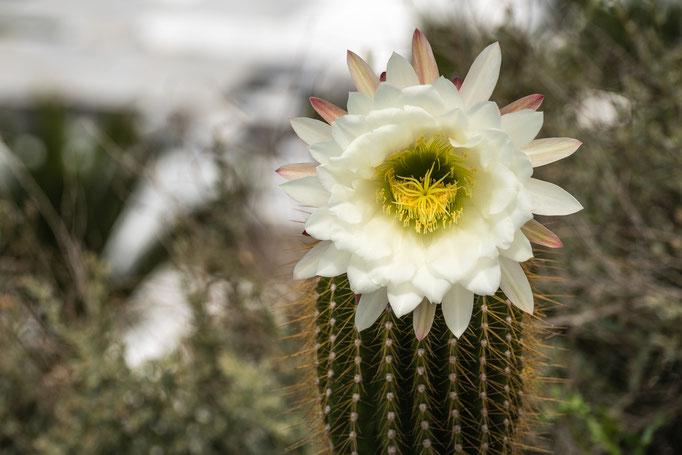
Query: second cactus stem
<point>383,391</point>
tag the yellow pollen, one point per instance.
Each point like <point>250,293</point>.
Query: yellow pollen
<point>431,199</point>
<point>425,201</point>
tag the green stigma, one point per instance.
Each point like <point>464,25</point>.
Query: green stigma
<point>424,186</point>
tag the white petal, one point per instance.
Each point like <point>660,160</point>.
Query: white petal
<point>403,298</point>
<point>322,152</point>
<point>448,92</point>
<point>386,96</point>
<point>519,250</point>
<point>426,97</point>
<point>545,151</point>
<point>485,278</point>
<point>307,266</point>
<point>370,307</point>
<point>358,277</point>
<point>321,224</point>
<point>480,81</point>
<point>522,126</point>
<point>333,262</point>
<point>295,171</point>
<point>550,199</point>
<point>359,103</point>
<point>307,190</point>
<point>484,115</point>
<point>514,284</point>
<point>457,307</point>
<point>431,286</point>
<point>399,72</point>
<point>422,318</point>
<point>345,129</point>
<point>311,131</point>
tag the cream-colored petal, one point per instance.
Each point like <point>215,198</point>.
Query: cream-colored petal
<point>295,171</point>
<point>550,199</point>
<point>545,151</point>
<point>430,285</point>
<point>448,92</point>
<point>307,266</point>
<point>522,126</point>
<point>333,262</point>
<point>519,250</point>
<point>532,102</point>
<point>481,79</point>
<point>363,76</point>
<point>370,307</point>
<point>514,283</point>
<point>424,62</point>
<point>457,306</point>
<point>328,111</point>
<point>484,278</point>
<point>403,298</point>
<point>307,191</point>
<point>536,232</point>
<point>400,73</point>
<point>422,318</point>
<point>359,103</point>
<point>311,131</point>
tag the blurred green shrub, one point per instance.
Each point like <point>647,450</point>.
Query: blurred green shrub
<point>65,387</point>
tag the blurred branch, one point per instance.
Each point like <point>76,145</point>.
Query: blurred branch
<point>70,249</point>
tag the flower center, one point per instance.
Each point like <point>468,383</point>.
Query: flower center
<point>424,185</point>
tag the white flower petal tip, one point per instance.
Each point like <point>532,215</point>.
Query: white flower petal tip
<point>550,199</point>
<point>328,111</point>
<point>481,79</point>
<point>423,60</point>
<point>457,307</point>
<point>537,233</point>
<point>295,171</point>
<point>422,319</point>
<point>532,102</point>
<point>311,131</point>
<point>370,308</point>
<point>514,283</point>
<point>363,76</point>
<point>522,126</point>
<point>307,266</point>
<point>400,73</point>
<point>403,298</point>
<point>307,191</point>
<point>549,150</point>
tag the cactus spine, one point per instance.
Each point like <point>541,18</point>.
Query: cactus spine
<point>383,391</point>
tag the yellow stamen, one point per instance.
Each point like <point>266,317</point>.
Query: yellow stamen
<point>425,202</point>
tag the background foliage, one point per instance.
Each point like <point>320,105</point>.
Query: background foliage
<point>612,76</point>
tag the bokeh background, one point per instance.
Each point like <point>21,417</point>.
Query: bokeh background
<point>145,251</point>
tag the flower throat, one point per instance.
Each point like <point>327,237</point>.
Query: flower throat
<point>424,185</point>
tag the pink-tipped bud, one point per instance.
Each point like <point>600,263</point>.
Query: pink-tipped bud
<point>328,111</point>
<point>527,102</point>
<point>382,78</point>
<point>458,82</point>
<point>537,233</point>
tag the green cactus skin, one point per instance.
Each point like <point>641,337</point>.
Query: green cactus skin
<point>383,391</point>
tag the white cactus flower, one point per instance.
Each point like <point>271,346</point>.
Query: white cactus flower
<point>422,192</point>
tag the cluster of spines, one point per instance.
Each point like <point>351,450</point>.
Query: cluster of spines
<point>382,391</point>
